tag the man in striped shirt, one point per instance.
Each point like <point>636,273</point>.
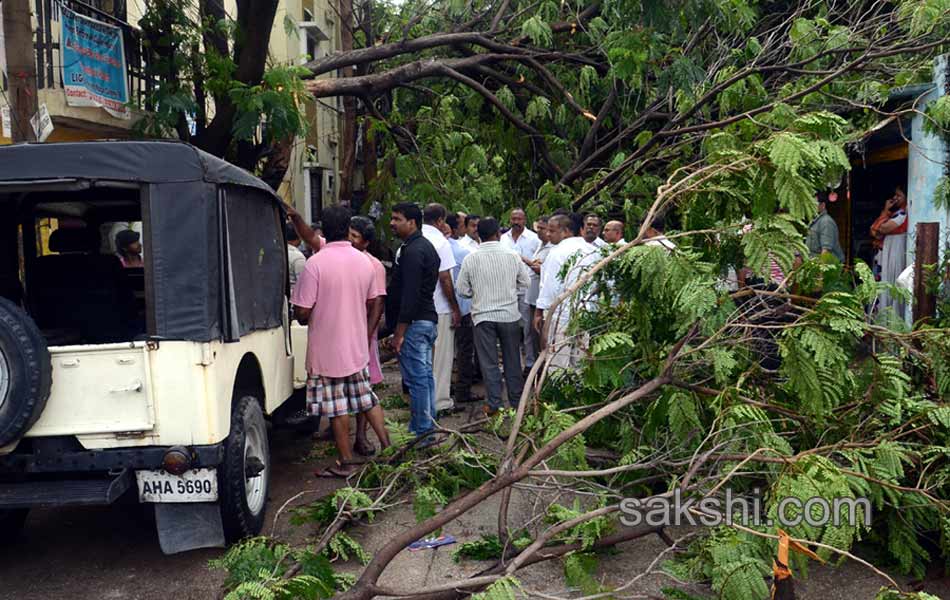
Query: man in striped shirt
<point>492,277</point>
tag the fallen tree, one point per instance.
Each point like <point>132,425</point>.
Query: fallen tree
<point>729,117</point>
<point>681,384</point>
<point>589,103</point>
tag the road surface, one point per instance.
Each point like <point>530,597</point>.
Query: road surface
<point>112,553</point>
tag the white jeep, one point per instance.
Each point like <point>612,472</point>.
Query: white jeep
<point>154,380</point>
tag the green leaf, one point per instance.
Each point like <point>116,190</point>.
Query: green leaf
<point>342,546</point>
<point>538,108</point>
<point>579,571</point>
<point>428,500</point>
<point>683,416</point>
<point>539,31</point>
<point>505,588</point>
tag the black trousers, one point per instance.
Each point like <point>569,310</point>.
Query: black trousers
<point>465,359</point>
<point>488,335</point>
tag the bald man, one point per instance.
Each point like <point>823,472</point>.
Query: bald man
<point>613,233</point>
<point>525,243</point>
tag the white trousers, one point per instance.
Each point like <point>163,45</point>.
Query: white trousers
<point>567,351</point>
<point>442,359</point>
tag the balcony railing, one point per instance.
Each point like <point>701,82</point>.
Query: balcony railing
<point>49,63</point>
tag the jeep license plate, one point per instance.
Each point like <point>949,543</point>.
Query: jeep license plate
<point>197,485</point>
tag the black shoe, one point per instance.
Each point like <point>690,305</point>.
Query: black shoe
<point>449,411</point>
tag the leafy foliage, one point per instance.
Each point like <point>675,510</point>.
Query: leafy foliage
<point>588,532</point>
<point>342,547</point>
<point>256,566</point>
<point>274,101</point>
<point>427,502</point>
<point>580,572</point>
<point>325,510</point>
<point>885,594</point>
<point>505,588</point>
<point>189,74</point>
<point>726,117</point>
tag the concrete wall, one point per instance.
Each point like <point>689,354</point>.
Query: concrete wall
<point>320,148</point>
<point>926,166</point>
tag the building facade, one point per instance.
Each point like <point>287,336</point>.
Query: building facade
<point>302,29</point>
<point>72,123</point>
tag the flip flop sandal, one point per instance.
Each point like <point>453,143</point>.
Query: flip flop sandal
<point>334,471</point>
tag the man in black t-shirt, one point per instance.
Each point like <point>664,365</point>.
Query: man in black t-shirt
<point>411,313</point>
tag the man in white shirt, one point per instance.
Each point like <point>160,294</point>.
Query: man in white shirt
<point>565,234</point>
<point>525,243</point>
<point>593,225</point>
<point>470,240</point>
<point>108,239</point>
<point>613,233</point>
<point>655,237</point>
<point>296,261</point>
<point>534,289</point>
<point>446,306</point>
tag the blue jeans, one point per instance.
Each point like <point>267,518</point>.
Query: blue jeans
<point>415,364</point>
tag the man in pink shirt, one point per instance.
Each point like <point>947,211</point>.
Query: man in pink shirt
<point>334,288</point>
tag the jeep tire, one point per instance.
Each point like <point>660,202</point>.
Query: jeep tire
<point>243,477</point>
<point>25,372</point>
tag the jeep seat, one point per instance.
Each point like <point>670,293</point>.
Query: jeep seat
<point>80,289</point>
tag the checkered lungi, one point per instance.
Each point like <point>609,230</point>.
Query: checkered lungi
<point>339,396</point>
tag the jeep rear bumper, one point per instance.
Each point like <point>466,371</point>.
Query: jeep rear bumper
<point>48,472</point>
<point>93,491</point>
<point>65,455</point>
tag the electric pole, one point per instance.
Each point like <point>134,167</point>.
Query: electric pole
<point>21,67</point>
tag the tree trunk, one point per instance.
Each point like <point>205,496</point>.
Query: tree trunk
<point>278,161</point>
<point>215,41</point>
<point>21,68</point>
<point>369,142</point>
<point>369,156</point>
<point>348,166</point>
<point>255,18</point>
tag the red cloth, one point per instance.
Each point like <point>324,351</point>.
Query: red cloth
<point>878,243</point>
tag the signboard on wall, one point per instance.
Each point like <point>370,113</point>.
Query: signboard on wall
<point>94,69</point>
<point>6,124</point>
<point>42,124</point>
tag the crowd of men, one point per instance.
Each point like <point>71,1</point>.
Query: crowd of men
<point>462,291</point>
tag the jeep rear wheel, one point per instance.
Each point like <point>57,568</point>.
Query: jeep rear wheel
<point>243,479</point>
<point>25,372</point>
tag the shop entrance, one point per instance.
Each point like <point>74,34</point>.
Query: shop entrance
<point>876,169</point>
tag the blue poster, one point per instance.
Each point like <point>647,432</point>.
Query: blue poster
<point>94,70</point>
